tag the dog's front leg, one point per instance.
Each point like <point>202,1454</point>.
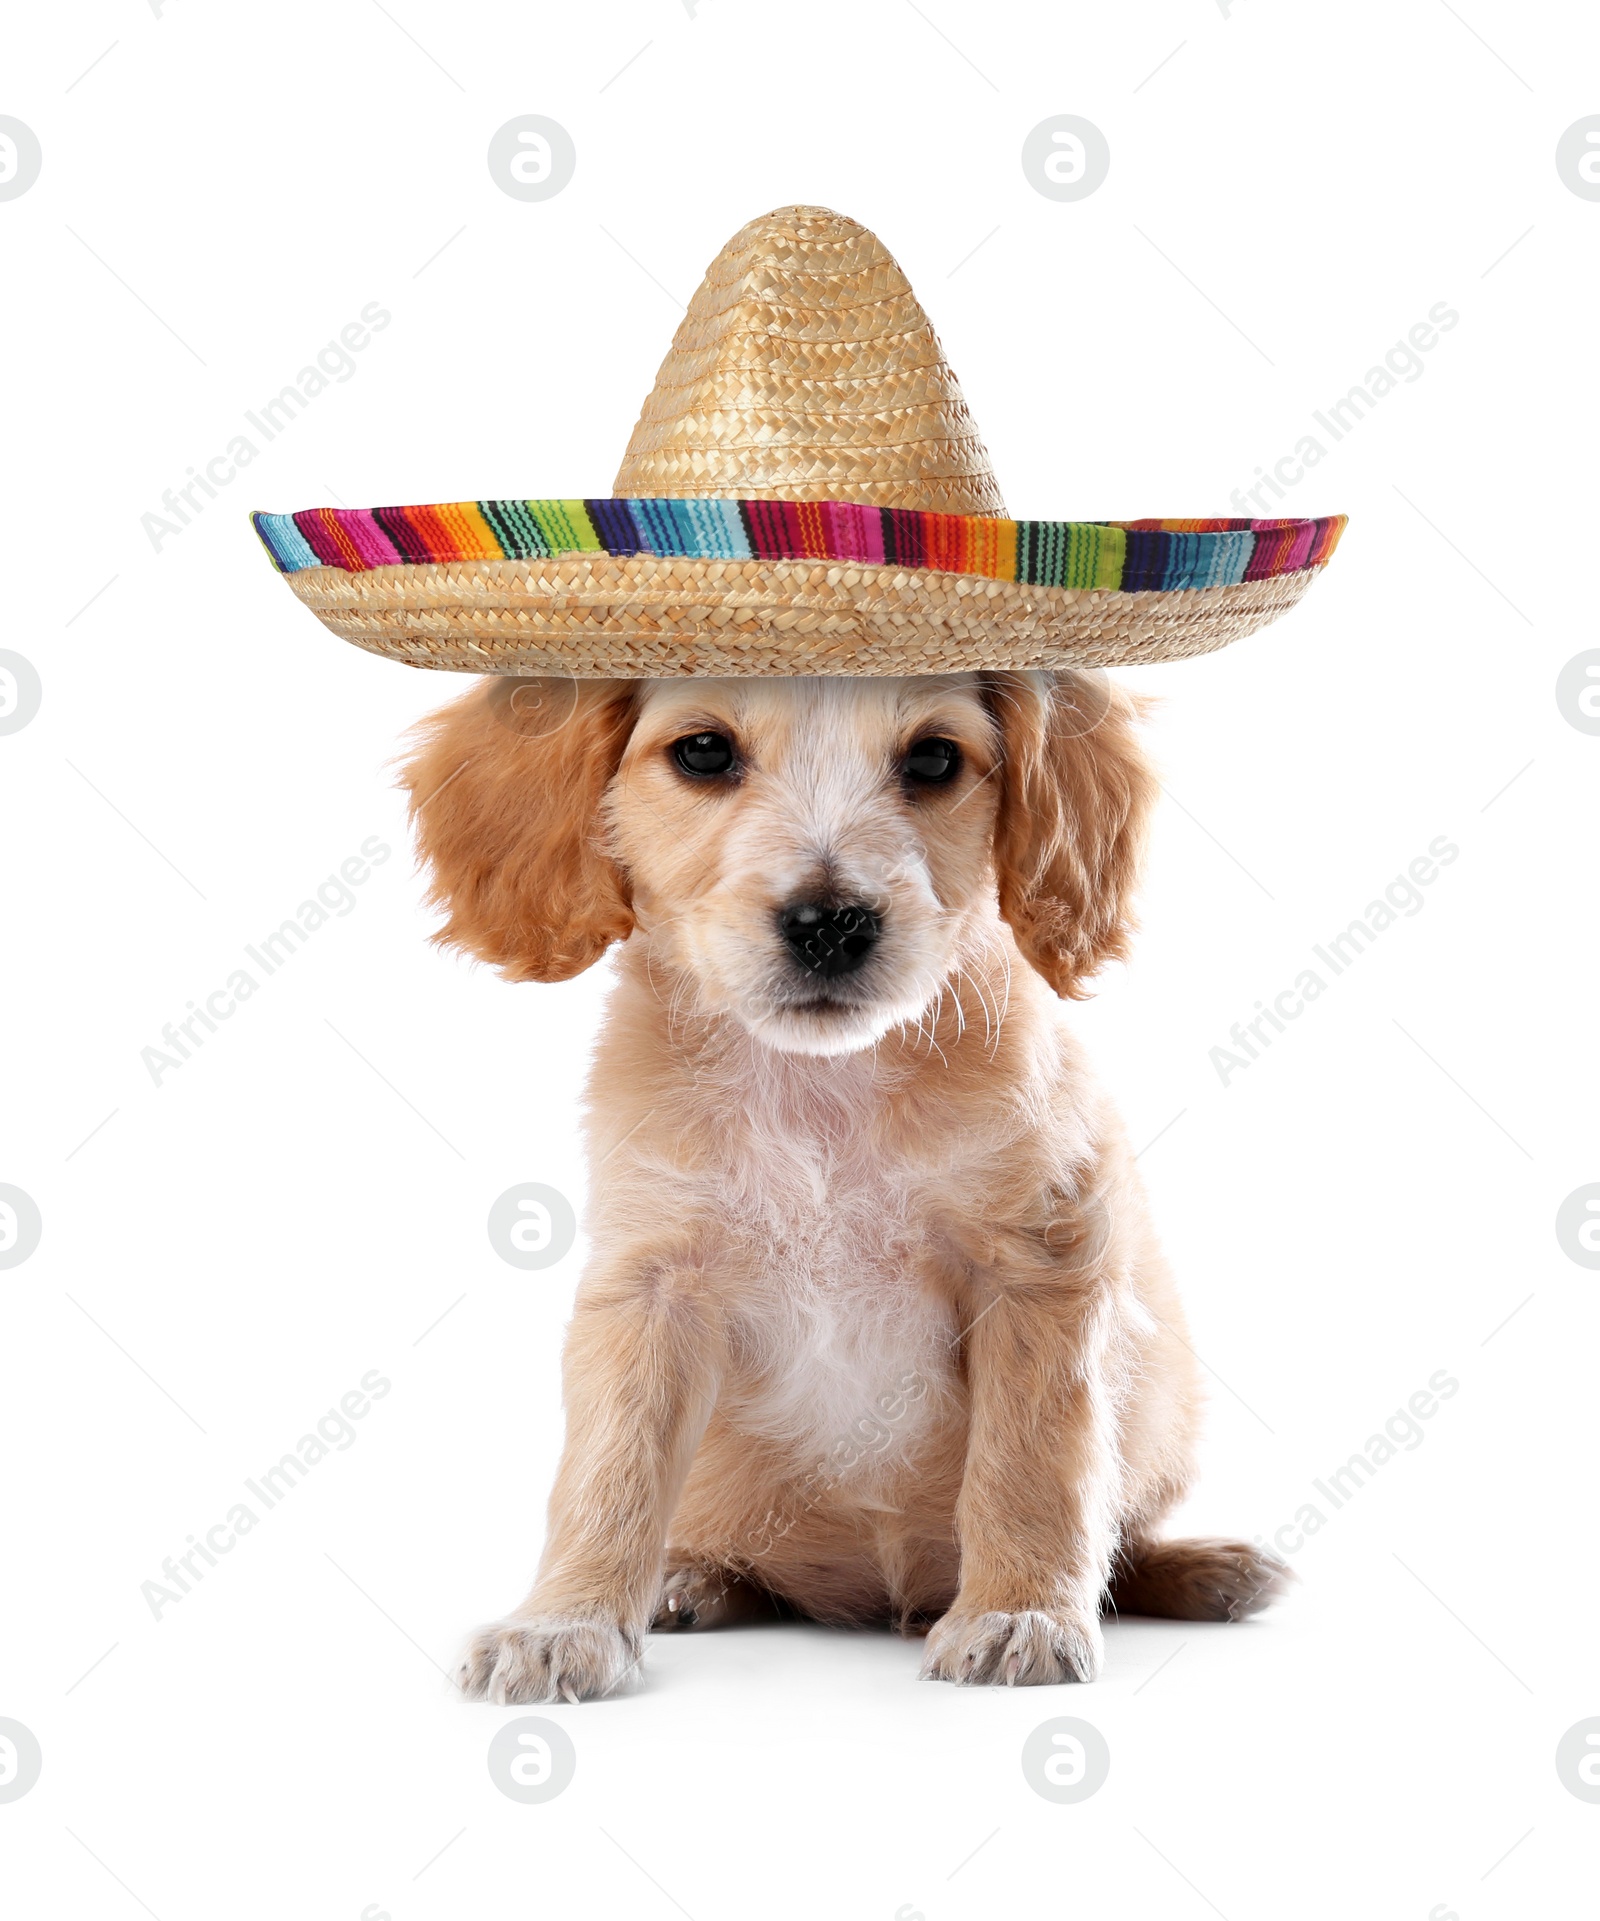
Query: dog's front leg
<point>642,1361</point>
<point>1036,1516</point>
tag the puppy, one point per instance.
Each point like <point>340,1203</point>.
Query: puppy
<point>875,1328</point>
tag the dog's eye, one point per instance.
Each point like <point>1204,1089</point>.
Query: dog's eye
<point>931,761</point>
<point>703,754</point>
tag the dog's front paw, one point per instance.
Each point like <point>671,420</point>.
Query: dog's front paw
<point>1035,1648</point>
<point>511,1662</point>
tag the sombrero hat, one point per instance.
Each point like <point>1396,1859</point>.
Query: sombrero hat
<point>805,493</point>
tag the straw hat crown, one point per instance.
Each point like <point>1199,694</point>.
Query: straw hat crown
<point>805,369</point>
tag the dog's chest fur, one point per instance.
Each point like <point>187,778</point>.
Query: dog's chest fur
<point>844,1333</point>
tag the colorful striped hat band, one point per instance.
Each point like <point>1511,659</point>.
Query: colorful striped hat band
<point>805,492</point>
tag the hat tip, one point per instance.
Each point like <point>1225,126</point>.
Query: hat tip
<point>804,220</point>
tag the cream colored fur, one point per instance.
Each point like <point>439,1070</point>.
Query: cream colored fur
<point>874,1326</point>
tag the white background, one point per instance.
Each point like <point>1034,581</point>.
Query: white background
<point>304,1199</point>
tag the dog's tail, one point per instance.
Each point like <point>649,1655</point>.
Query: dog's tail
<point>1204,1579</point>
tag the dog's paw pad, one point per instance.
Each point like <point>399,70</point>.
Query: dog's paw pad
<point>511,1662</point>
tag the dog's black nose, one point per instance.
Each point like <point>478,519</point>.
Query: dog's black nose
<point>828,941</point>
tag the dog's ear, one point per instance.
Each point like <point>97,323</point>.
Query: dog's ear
<point>506,787</point>
<point>1076,794</point>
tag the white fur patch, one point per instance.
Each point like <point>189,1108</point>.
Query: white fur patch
<point>845,1352</point>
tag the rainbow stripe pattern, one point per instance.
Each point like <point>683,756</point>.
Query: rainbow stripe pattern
<point>1124,555</point>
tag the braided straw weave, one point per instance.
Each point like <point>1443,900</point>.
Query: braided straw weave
<point>804,371</point>
<point>644,617</point>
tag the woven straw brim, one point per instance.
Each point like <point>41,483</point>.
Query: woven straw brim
<point>644,616</point>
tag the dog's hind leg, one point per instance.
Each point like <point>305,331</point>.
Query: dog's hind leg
<point>698,1594</point>
<point>1200,1579</point>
